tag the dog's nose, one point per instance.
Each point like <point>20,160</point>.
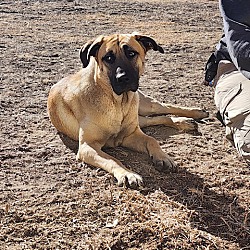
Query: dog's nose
<point>121,75</point>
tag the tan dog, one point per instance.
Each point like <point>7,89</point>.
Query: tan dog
<point>98,106</point>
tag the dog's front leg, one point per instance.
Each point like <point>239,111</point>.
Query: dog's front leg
<point>93,155</point>
<point>143,143</point>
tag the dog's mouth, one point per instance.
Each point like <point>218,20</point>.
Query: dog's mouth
<point>120,89</point>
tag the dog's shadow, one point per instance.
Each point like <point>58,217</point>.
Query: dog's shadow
<point>216,213</point>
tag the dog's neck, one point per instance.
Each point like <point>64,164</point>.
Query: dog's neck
<point>125,97</point>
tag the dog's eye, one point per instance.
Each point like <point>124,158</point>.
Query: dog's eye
<point>109,58</point>
<point>130,54</point>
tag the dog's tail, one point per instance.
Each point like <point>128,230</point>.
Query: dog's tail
<point>68,142</point>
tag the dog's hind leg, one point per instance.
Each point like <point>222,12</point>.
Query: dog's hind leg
<point>149,106</point>
<point>180,123</point>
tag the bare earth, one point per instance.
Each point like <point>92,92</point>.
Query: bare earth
<point>50,201</point>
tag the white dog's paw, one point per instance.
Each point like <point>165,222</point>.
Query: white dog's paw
<point>129,179</point>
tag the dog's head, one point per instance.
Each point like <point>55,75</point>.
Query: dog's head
<point>120,59</point>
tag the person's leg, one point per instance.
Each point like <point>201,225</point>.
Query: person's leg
<point>232,98</point>
<point>241,136</point>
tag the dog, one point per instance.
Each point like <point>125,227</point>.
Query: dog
<point>101,106</point>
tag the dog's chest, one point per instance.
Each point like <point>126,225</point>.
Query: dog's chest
<point>122,120</point>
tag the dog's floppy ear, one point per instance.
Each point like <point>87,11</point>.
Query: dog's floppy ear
<point>148,43</point>
<point>90,49</point>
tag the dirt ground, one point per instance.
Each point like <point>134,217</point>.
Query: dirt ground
<point>50,201</point>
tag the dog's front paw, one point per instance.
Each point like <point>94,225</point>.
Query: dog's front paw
<point>129,179</point>
<point>164,164</point>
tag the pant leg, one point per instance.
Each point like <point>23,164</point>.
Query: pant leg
<point>241,136</point>
<point>232,98</point>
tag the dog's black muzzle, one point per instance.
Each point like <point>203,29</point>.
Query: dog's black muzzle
<point>125,80</point>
